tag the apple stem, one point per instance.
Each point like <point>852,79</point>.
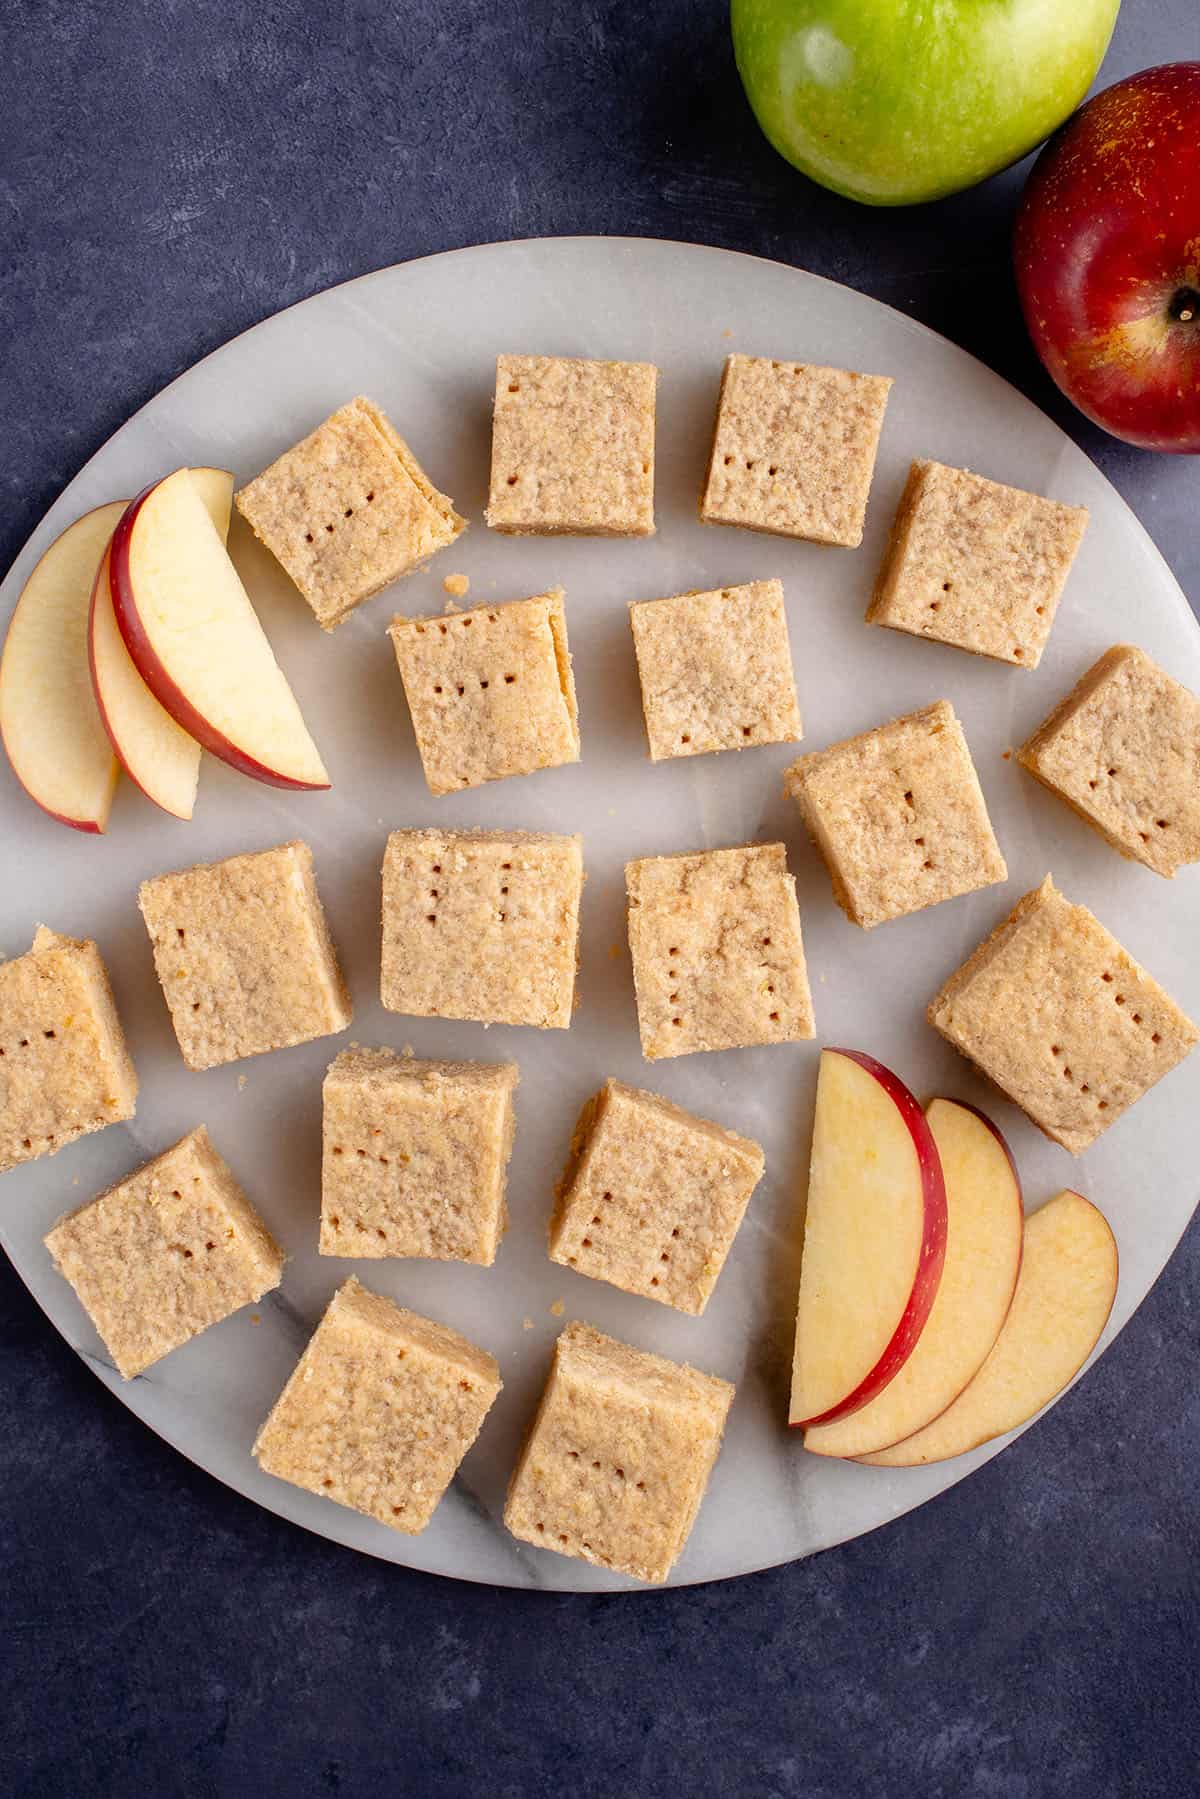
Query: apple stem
<point>1185,305</point>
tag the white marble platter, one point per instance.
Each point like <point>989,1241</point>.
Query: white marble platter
<point>421,339</point>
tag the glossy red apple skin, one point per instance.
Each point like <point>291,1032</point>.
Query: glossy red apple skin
<point>169,695</point>
<point>933,1247</point>
<point>1107,254</point>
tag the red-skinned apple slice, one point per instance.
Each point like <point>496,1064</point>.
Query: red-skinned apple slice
<point>49,720</point>
<point>983,1255</point>
<point>196,641</point>
<point>874,1238</point>
<point>157,754</point>
<point>1064,1294</point>
<point>215,487</point>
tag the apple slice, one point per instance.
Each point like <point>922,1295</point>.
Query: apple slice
<point>985,1220</point>
<point>157,754</point>
<point>215,487</point>
<point>49,720</point>
<point>196,641</point>
<point>874,1238</point>
<point>1064,1294</point>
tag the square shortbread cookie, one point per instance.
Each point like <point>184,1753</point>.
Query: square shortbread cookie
<point>415,1156</point>
<point>174,1247</point>
<point>1123,749</point>
<point>482,925</point>
<point>1065,1022</point>
<point>794,449</point>
<point>244,955</point>
<point>618,1457</point>
<point>718,960</point>
<point>715,670</point>
<point>348,511</point>
<point>975,564</point>
<point>573,447</point>
<point>652,1197</point>
<point>898,816</point>
<point>381,1409</point>
<point>490,691</point>
<point>64,1066</point>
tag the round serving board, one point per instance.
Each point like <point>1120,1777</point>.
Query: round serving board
<point>421,340</point>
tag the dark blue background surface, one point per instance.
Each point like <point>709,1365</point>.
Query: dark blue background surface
<point>169,174</point>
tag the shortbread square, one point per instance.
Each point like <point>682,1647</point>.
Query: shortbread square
<point>976,564</point>
<point>348,511</point>
<point>482,925</point>
<point>573,447</point>
<point>380,1410</point>
<point>652,1197</point>
<point>174,1247</point>
<point>718,960</point>
<point>898,816</point>
<point>715,670</point>
<point>1123,750</point>
<point>64,1066</point>
<point>244,955</point>
<point>794,449</point>
<point>415,1156</point>
<point>1065,1022</point>
<point>618,1457</point>
<point>490,691</point>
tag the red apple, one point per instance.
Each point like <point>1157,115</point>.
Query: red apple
<point>874,1238</point>
<point>1063,1297</point>
<point>157,754</point>
<point>196,641</point>
<point>1107,255</point>
<point>983,1254</point>
<point>49,721</point>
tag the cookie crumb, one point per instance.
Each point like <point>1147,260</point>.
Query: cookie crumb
<point>527,1324</point>
<point>558,1308</point>
<point>1006,755</point>
<point>458,585</point>
<point>241,1083</point>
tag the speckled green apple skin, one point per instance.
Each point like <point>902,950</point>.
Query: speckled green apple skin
<point>896,101</point>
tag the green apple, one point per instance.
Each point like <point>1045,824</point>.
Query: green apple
<point>895,101</point>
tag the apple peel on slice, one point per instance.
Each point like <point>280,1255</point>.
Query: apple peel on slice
<point>985,1219</point>
<point>158,755</point>
<point>1064,1294</point>
<point>196,640</point>
<point>874,1238</point>
<point>49,719</point>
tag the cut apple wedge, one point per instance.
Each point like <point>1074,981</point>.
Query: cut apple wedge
<point>1064,1294</point>
<point>985,1221</point>
<point>158,755</point>
<point>874,1238</point>
<point>196,641</point>
<point>49,719</point>
<point>215,487</point>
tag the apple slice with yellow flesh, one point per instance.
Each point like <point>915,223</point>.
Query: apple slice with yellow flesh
<point>985,1220</point>
<point>196,640</point>
<point>215,487</point>
<point>157,754</point>
<point>49,719</point>
<point>1064,1294</point>
<point>874,1238</point>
